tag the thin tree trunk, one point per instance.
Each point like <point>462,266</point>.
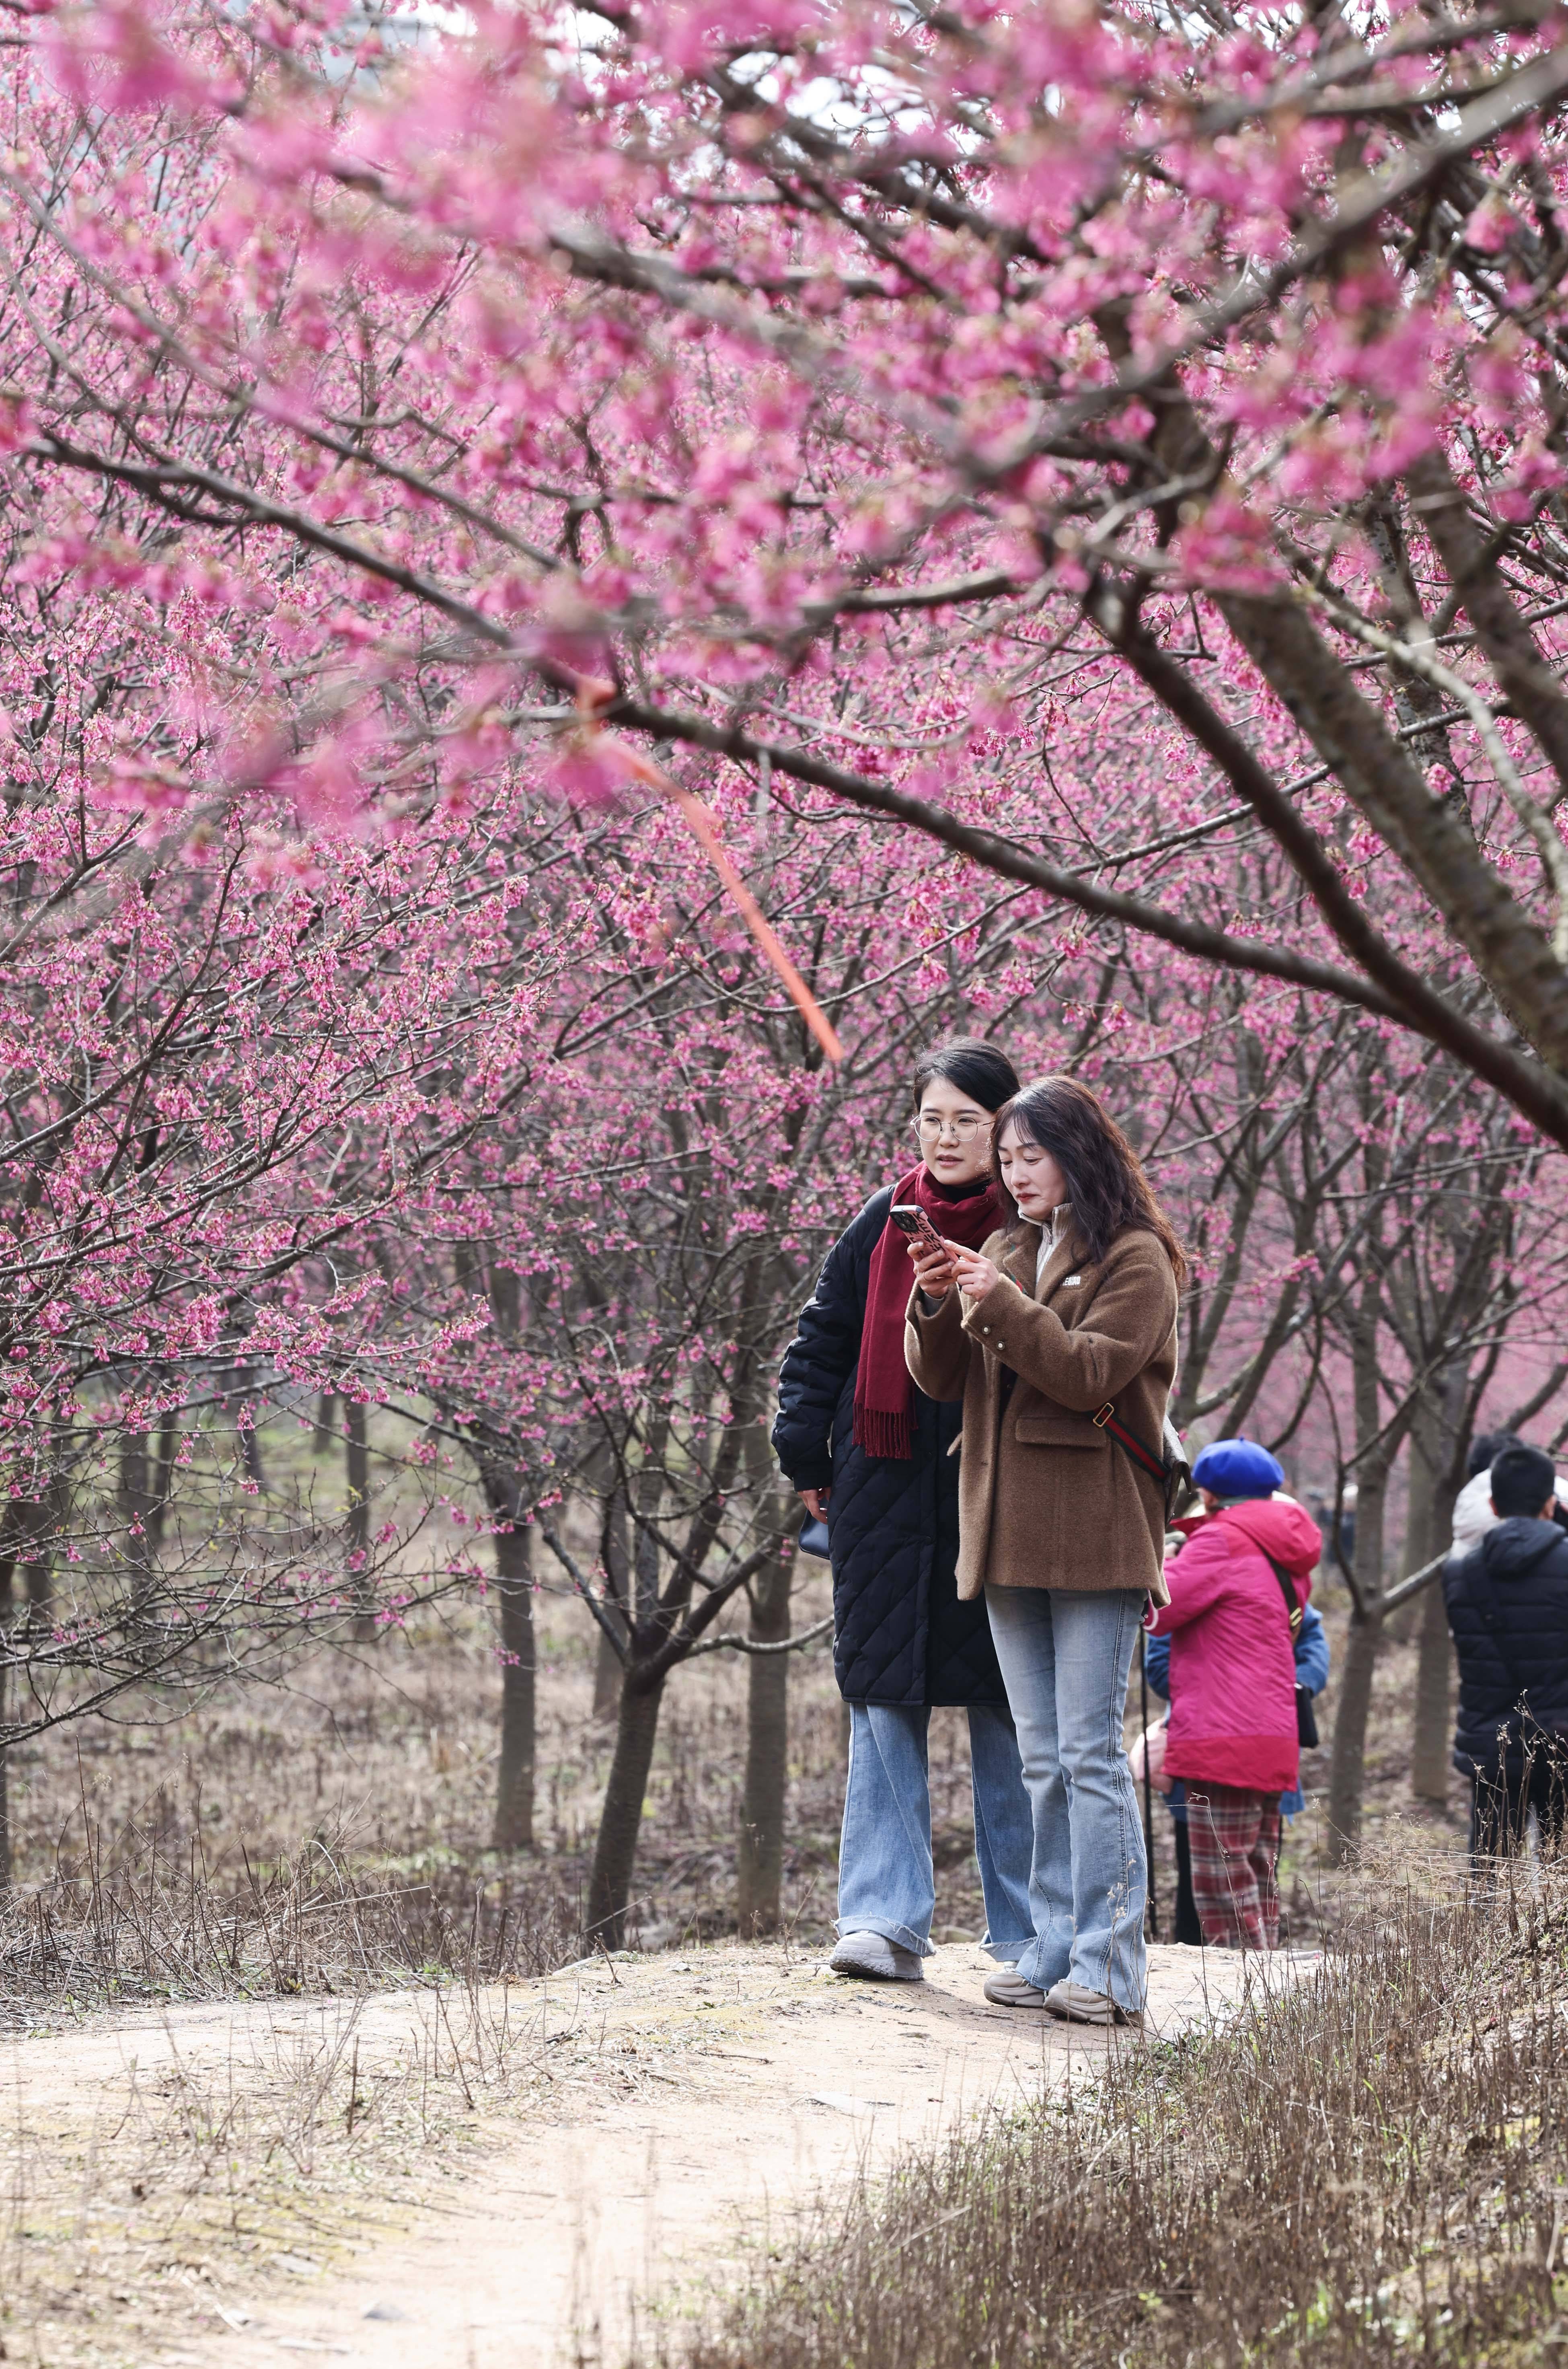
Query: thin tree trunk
<point>618,1560</point>
<point>7,1570</point>
<point>1347,1761</point>
<point>606,1680</point>
<point>1430,1739</point>
<point>1429,1754</point>
<point>136,1511</point>
<point>514,1789</point>
<point>1419,1520</point>
<point>615,1852</point>
<point>249,1439</point>
<point>38,1527</point>
<point>761,1858</point>
<point>356,1527</point>
<point>166,1452</point>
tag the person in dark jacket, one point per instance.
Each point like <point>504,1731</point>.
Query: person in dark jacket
<point>876,1458</point>
<point>1507,1602</point>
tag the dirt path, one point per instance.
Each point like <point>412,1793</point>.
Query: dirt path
<point>665,2106</point>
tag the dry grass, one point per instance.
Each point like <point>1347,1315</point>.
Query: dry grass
<point>335,1832</point>
<point>331,1836</point>
<point>209,2158</point>
<point>1370,2166</point>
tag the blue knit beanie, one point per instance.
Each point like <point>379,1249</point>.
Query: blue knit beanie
<point>1237,1468</point>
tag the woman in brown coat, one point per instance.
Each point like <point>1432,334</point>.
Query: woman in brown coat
<point>1066,1316</point>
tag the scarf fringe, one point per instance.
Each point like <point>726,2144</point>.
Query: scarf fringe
<point>880,1433</point>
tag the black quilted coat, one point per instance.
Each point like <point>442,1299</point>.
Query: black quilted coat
<point>899,1633</point>
<point>1507,1604</point>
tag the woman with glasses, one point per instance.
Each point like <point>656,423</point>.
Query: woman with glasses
<point>873,1456</point>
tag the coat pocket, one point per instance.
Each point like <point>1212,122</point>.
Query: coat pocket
<point>1058,1431</point>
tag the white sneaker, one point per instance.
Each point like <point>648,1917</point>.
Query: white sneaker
<point>872,1955</point>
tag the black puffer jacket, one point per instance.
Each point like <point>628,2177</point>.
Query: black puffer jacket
<point>1508,1609</point>
<point>899,1633</point>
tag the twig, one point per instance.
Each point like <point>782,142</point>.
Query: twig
<point>751,1646</point>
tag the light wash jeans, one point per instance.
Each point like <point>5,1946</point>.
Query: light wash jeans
<point>1065,1659</point>
<point>886,1880</point>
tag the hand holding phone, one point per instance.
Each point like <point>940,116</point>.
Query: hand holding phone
<point>933,1257</point>
<point>911,1219</point>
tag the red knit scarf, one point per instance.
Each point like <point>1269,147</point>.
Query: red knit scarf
<point>884,1394</point>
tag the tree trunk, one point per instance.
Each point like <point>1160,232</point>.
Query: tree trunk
<point>5,1783</point>
<point>135,1509</point>
<point>760,1857</point>
<point>1348,1759</point>
<point>615,1852</point>
<point>514,1789</point>
<point>6,1572</point>
<point>38,1527</point>
<point>606,1680</point>
<point>356,1527</point>
<point>618,1562</point>
<point>1429,1754</point>
<point>1347,1764</point>
<point>250,1444</point>
<point>1430,1738</point>
<point>1420,1518</point>
<point>609,1489</point>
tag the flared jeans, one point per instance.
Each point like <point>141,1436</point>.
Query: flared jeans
<point>1065,1658</point>
<point>886,1883</point>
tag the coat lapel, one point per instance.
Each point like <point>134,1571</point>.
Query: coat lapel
<point>1062,1262</point>
<point>1018,1261</point>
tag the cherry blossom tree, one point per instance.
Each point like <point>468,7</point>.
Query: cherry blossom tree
<point>224,1060</point>
<point>643,1226</point>
<point>1101,476</point>
<point>884,401</point>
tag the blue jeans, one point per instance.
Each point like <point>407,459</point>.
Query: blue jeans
<point>1065,1659</point>
<point>886,1880</point>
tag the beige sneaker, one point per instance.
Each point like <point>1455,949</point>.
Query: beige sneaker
<point>1005,1988</point>
<point>1075,2003</point>
<point>877,1960</point>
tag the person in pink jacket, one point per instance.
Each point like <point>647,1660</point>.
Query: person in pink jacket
<point>1233,1734</point>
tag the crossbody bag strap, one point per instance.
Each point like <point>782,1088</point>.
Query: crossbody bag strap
<point>1130,1445</point>
<point>1287,1589</point>
<point>1295,1613</point>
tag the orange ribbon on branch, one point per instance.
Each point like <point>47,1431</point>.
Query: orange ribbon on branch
<point>592,696</point>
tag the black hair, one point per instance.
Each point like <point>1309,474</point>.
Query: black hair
<point>1522,1480</point>
<point>980,1070</point>
<point>1486,1448</point>
<point>1105,1181</point>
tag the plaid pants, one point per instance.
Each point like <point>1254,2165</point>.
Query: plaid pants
<point>1234,1841</point>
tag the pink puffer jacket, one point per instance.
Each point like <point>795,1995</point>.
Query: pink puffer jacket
<point>1232,1663</point>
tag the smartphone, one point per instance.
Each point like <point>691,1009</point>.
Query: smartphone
<point>911,1218</point>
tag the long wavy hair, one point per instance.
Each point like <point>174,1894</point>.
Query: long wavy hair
<point>1105,1181</point>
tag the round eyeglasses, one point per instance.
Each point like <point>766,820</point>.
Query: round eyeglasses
<point>930,1129</point>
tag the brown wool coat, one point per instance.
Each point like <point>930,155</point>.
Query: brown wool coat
<point>1045,1499</point>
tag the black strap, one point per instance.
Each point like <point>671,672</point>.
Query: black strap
<point>1305,1717</point>
<point>1287,1589</point>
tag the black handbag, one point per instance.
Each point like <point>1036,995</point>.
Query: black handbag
<point>1305,1717</point>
